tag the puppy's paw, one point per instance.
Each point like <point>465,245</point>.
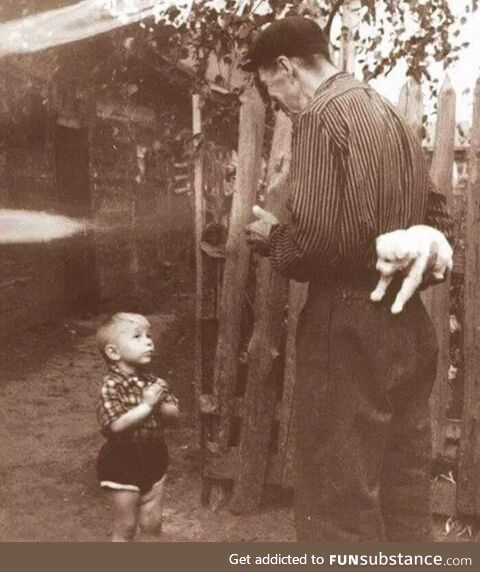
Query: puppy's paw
<point>397,307</point>
<point>376,296</point>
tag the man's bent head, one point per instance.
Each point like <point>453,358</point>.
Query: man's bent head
<point>290,57</point>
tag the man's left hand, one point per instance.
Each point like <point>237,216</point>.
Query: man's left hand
<point>424,258</point>
<point>258,232</point>
<point>436,244</point>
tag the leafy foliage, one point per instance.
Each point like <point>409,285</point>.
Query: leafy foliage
<point>168,59</point>
<point>417,32</point>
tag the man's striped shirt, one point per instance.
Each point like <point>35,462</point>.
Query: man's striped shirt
<point>357,171</point>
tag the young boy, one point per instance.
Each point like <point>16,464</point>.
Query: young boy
<point>133,408</point>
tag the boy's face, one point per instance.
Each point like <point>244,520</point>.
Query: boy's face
<point>132,345</point>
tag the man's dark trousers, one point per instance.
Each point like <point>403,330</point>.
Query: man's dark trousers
<point>362,421</point>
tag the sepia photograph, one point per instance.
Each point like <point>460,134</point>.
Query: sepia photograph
<point>240,271</point>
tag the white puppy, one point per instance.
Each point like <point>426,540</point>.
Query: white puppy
<point>413,251</point>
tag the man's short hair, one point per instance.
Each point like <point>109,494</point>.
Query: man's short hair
<point>107,332</point>
<point>293,36</point>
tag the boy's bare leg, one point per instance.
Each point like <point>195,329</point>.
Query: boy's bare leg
<point>151,510</point>
<point>125,515</point>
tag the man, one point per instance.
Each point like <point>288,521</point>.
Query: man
<point>364,376</point>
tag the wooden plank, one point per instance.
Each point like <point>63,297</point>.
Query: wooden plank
<point>265,344</point>
<point>410,105</point>
<point>453,429</point>
<point>220,467</point>
<point>225,467</point>
<point>437,299</point>
<point>296,300</point>
<point>209,405</point>
<point>199,223</point>
<point>468,492</point>
<point>251,130</point>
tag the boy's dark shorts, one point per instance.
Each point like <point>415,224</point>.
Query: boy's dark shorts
<point>131,465</point>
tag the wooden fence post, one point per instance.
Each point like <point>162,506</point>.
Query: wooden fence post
<point>199,222</point>
<point>410,104</point>
<point>259,402</point>
<point>437,299</point>
<point>297,296</point>
<point>251,130</point>
<point>468,487</point>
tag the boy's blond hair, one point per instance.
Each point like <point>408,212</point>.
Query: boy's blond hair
<point>113,326</point>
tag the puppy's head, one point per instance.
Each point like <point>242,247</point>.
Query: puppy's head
<point>392,250</point>
<point>386,267</point>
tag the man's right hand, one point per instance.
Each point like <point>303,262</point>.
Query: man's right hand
<point>258,232</point>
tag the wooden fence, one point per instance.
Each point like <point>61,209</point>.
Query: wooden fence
<point>246,369</point>
<point>455,437</point>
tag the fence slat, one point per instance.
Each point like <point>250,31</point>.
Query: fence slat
<point>251,129</point>
<point>296,299</point>
<point>468,490</point>
<point>410,104</point>
<point>265,344</point>
<point>199,223</point>
<point>437,299</point>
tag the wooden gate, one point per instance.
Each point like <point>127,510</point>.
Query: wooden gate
<point>247,391</point>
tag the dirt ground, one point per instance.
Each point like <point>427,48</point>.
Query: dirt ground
<point>49,381</point>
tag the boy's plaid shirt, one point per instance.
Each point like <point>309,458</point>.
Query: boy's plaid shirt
<point>120,393</point>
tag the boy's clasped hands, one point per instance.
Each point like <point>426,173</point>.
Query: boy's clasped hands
<point>155,393</point>
<point>157,396</point>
